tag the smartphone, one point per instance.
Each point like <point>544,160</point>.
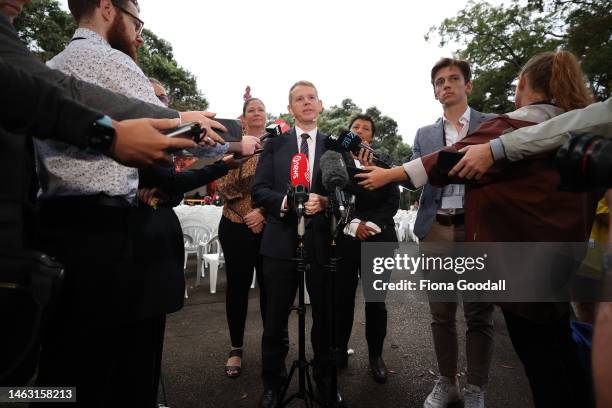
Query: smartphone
<point>234,129</point>
<point>447,160</point>
<point>354,170</point>
<point>238,156</point>
<point>188,130</point>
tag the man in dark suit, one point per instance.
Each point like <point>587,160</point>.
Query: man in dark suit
<point>279,242</point>
<point>372,222</point>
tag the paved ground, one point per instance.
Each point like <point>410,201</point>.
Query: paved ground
<point>197,343</point>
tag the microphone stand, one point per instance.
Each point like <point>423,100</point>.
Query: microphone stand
<point>305,389</point>
<point>336,225</point>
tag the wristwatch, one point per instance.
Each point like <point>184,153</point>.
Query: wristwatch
<point>102,134</point>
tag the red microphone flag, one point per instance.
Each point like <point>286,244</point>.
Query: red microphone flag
<point>299,170</point>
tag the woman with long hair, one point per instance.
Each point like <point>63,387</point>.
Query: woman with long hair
<point>240,235</point>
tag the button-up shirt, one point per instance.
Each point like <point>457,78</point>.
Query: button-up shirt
<point>65,170</point>
<point>453,195</point>
<point>312,145</point>
<point>450,132</point>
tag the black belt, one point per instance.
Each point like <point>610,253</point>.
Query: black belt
<point>450,219</point>
<point>95,200</point>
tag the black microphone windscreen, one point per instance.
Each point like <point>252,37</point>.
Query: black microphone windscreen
<point>345,141</point>
<point>274,130</point>
<point>349,141</point>
<point>333,170</point>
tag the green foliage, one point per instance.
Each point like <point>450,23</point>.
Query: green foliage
<point>156,60</point>
<point>499,40</point>
<point>47,30</point>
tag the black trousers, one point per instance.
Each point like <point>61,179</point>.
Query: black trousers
<point>281,282</point>
<point>347,281</point>
<point>92,343</point>
<point>108,366</point>
<point>241,249</point>
<point>550,359</point>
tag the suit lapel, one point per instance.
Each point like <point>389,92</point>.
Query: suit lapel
<point>286,151</point>
<point>476,118</point>
<point>319,149</point>
<point>438,135</point>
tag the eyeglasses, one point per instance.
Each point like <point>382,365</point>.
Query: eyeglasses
<point>165,99</point>
<point>139,22</point>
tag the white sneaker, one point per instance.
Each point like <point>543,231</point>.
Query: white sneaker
<point>473,397</point>
<point>445,392</point>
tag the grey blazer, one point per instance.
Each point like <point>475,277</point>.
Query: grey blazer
<point>430,139</point>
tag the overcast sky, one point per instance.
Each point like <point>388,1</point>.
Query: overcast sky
<point>370,51</point>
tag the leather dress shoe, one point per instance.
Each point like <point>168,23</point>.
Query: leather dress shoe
<point>323,390</point>
<point>269,399</point>
<point>342,359</point>
<point>378,369</point>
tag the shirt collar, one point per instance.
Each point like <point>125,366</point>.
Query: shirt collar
<point>90,35</point>
<point>312,133</point>
<point>464,119</point>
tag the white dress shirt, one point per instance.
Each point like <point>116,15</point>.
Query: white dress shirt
<point>312,145</point>
<point>453,195</point>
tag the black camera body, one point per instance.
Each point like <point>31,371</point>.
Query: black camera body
<point>585,163</point>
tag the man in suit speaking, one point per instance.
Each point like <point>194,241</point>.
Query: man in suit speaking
<point>279,242</point>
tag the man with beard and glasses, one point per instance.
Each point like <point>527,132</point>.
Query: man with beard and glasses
<point>102,339</point>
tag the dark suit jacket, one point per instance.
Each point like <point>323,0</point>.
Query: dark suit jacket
<point>378,206</point>
<point>430,139</point>
<point>270,187</point>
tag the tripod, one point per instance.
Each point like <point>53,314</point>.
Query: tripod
<point>304,392</point>
<point>335,226</point>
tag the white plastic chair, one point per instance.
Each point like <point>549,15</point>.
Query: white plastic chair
<point>194,237</point>
<point>213,260</point>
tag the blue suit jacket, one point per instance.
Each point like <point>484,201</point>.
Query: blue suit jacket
<point>430,139</point>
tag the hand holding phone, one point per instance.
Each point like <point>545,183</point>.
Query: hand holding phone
<point>189,130</point>
<point>447,160</point>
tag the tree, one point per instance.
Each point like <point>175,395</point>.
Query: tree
<point>386,140</point>
<point>47,30</point>
<point>499,40</point>
<point>156,60</point>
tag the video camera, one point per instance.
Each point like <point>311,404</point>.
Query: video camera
<point>585,163</point>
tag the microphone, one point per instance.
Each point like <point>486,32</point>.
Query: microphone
<point>351,142</point>
<point>298,191</point>
<point>272,131</point>
<point>335,178</point>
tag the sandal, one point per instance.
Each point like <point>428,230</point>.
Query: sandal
<point>233,371</point>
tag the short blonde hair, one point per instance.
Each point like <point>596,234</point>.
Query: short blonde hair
<point>302,83</point>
